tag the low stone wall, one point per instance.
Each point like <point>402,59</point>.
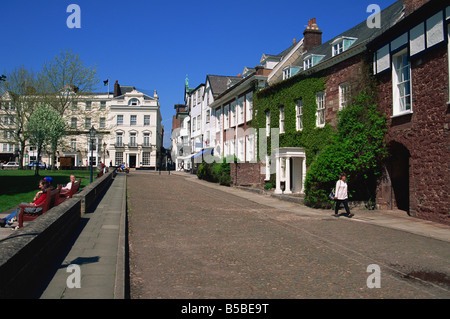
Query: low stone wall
<point>27,256</point>
<point>246,174</point>
<point>91,194</point>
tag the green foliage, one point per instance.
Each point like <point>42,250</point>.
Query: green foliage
<point>286,93</point>
<point>357,148</point>
<point>216,172</point>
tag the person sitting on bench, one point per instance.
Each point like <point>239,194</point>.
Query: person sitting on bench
<point>69,185</point>
<point>38,199</point>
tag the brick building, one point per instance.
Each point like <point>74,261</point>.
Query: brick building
<point>411,65</point>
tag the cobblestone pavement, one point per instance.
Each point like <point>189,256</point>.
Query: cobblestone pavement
<point>192,239</point>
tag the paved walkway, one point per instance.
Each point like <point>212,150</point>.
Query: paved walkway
<point>394,219</point>
<point>98,251</point>
<point>194,239</point>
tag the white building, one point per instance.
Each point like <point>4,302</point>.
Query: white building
<point>128,130</point>
<point>135,129</point>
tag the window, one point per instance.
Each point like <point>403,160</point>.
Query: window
<point>199,123</point>
<point>87,123</point>
<point>233,114</point>
<point>102,122</point>
<point>338,48</point>
<point>341,44</point>
<point>93,161</point>
<point>88,106</point>
<point>308,63</point>
<point>250,148</point>
<point>208,116</point>
<point>218,114</point>
<point>119,158</point>
<point>119,119</point>
<point>146,139</point>
<point>119,139</point>
<point>249,106</point>
<point>134,102</point>
<point>102,105</point>
<point>240,110</point>
<point>401,82</point>
<point>133,120</point>
<point>281,108</point>
<point>194,122</point>
<point>286,73</point>
<point>344,95</point>
<point>73,122</point>
<point>73,144</point>
<point>74,105</point>
<point>299,114</point>
<point>146,120</point>
<point>146,158</point>
<point>320,115</point>
<point>226,123</point>
<point>240,150</point>
<point>267,123</point>
<point>133,139</point>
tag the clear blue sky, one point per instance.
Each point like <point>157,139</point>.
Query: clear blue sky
<point>154,44</point>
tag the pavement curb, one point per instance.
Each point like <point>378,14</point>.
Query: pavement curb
<point>120,280</point>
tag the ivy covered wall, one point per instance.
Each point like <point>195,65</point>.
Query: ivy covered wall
<point>286,93</point>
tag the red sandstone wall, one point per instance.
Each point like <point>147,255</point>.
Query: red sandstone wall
<point>425,134</point>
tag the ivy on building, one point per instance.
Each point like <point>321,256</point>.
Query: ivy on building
<point>286,94</point>
<point>355,146</point>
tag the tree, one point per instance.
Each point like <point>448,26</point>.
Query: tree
<point>66,81</point>
<point>19,98</point>
<point>45,127</point>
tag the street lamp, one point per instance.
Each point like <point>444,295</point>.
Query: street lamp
<point>104,152</point>
<point>92,133</point>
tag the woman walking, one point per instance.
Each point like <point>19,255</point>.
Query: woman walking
<point>341,196</point>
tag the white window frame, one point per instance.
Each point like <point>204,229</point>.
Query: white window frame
<point>226,116</point>
<point>308,63</point>
<point>146,120</point>
<point>119,119</point>
<point>282,115</point>
<point>133,120</point>
<point>321,108</point>
<point>399,85</point>
<point>249,106</point>
<point>240,110</point>
<point>286,73</point>
<point>338,48</point>
<point>102,122</point>
<point>146,158</point>
<point>344,94</point>
<point>299,114</point>
<point>233,113</point>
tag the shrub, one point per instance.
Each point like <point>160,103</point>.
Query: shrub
<point>357,148</point>
<point>215,172</point>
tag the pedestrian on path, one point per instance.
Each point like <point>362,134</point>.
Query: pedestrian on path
<point>341,196</point>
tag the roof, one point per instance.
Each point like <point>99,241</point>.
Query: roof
<point>219,83</point>
<point>362,32</point>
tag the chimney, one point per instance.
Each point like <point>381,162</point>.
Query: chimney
<point>312,36</point>
<point>117,89</point>
<point>294,41</point>
<point>413,5</point>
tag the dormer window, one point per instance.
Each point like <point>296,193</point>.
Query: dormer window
<point>290,71</point>
<point>311,61</point>
<point>341,44</point>
<point>134,102</point>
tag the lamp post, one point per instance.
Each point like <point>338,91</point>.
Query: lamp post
<point>104,152</point>
<point>92,133</point>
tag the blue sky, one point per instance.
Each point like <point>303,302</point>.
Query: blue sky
<point>153,45</point>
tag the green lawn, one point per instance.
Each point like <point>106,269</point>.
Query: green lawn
<point>18,186</point>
